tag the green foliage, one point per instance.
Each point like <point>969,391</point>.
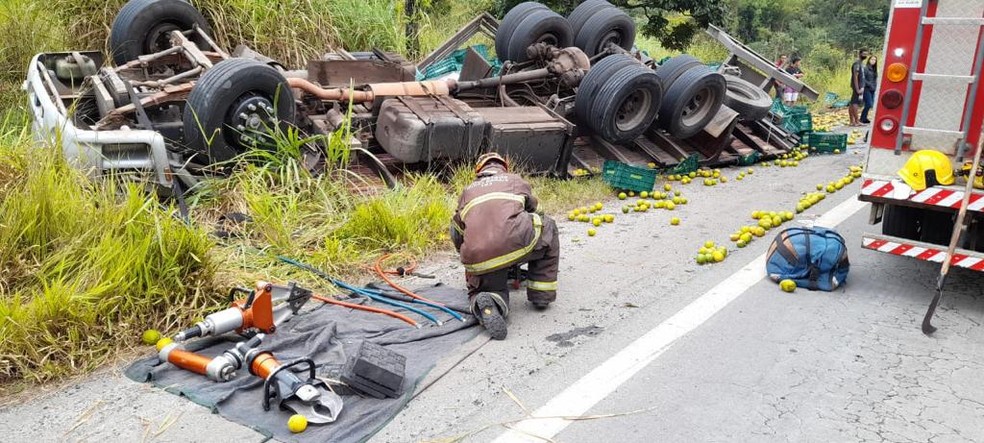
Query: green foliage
<point>85,266</point>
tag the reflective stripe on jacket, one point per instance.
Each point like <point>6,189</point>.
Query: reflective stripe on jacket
<point>495,218</point>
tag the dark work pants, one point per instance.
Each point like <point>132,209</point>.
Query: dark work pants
<point>869,102</point>
<point>541,284</point>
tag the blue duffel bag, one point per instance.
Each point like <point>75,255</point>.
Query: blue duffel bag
<point>814,258</point>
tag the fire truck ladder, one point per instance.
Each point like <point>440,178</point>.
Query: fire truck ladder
<point>960,133</point>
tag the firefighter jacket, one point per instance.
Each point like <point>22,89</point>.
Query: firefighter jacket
<point>495,223</point>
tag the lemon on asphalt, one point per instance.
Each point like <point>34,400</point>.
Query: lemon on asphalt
<point>670,206</point>
<point>592,232</point>
<point>609,218</point>
<point>674,221</point>
<point>746,237</point>
<point>787,285</point>
<point>717,256</point>
<point>622,196</point>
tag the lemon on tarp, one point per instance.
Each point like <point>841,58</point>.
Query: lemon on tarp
<point>787,285</point>
<point>297,423</point>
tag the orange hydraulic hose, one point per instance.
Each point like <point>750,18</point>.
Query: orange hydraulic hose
<point>396,315</point>
<point>379,271</point>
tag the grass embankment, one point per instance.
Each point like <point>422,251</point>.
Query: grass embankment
<point>86,265</point>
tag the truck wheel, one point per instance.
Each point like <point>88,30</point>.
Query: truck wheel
<point>936,227</point>
<point>607,26</point>
<point>584,11</point>
<point>509,23</point>
<point>900,221</point>
<point>692,101</point>
<point>596,78</point>
<point>626,105</point>
<point>144,27</point>
<point>670,70</point>
<point>750,101</point>
<point>541,26</point>
<point>233,106</point>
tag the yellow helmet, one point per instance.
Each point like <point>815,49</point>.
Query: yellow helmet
<point>488,157</point>
<point>927,168</point>
<point>978,177</point>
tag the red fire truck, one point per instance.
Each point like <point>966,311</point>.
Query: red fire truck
<point>929,102</point>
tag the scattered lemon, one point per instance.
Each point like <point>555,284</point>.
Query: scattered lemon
<point>758,231</point>
<point>756,215</point>
<point>709,244</point>
<point>718,256</point>
<point>596,221</point>
<point>831,189</point>
<point>622,196</point>
<point>297,423</point>
<point>787,285</point>
<point>742,243</point>
<point>674,221</point>
<point>163,342</point>
<point>746,237</point>
<point>788,215</point>
<point>151,336</point>
<point>652,165</point>
<point>751,171</point>
<point>592,232</point>
<point>667,187</point>
<point>626,209</point>
<point>765,223</point>
<point>670,206</point>
<point>776,221</point>
<point>631,193</point>
<point>609,218</point>
<point>701,259</point>
<point>571,216</point>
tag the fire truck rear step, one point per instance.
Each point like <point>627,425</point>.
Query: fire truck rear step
<point>962,258</point>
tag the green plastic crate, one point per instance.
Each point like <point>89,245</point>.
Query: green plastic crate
<point>688,165</point>
<point>798,123</point>
<point>630,178</point>
<point>826,142</point>
<point>780,110</point>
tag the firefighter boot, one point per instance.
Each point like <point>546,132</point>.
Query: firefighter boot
<point>491,311</point>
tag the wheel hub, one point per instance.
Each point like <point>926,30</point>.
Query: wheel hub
<point>253,117</point>
<point>613,37</point>
<point>159,37</point>
<point>633,110</point>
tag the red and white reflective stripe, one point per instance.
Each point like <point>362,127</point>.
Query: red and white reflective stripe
<point>947,198</point>
<point>923,253</point>
<point>877,188</point>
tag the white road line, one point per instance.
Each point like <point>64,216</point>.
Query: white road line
<point>579,397</point>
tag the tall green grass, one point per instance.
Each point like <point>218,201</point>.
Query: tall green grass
<point>85,266</point>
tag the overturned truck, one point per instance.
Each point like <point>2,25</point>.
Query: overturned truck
<point>174,107</point>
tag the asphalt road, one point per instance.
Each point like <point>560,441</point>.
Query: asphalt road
<point>761,366</point>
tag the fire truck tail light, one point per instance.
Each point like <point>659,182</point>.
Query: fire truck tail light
<point>896,72</point>
<point>891,99</point>
<point>888,125</point>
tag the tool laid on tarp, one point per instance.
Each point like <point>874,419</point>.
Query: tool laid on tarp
<point>378,267</point>
<point>311,398</point>
<point>375,371</point>
<point>376,295</point>
<point>221,368</point>
<point>263,309</point>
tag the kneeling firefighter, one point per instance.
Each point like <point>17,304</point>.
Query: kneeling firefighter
<point>496,228</point>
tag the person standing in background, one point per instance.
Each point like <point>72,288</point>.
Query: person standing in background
<point>870,84</point>
<point>790,95</point>
<point>857,87</point>
<point>780,64</point>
